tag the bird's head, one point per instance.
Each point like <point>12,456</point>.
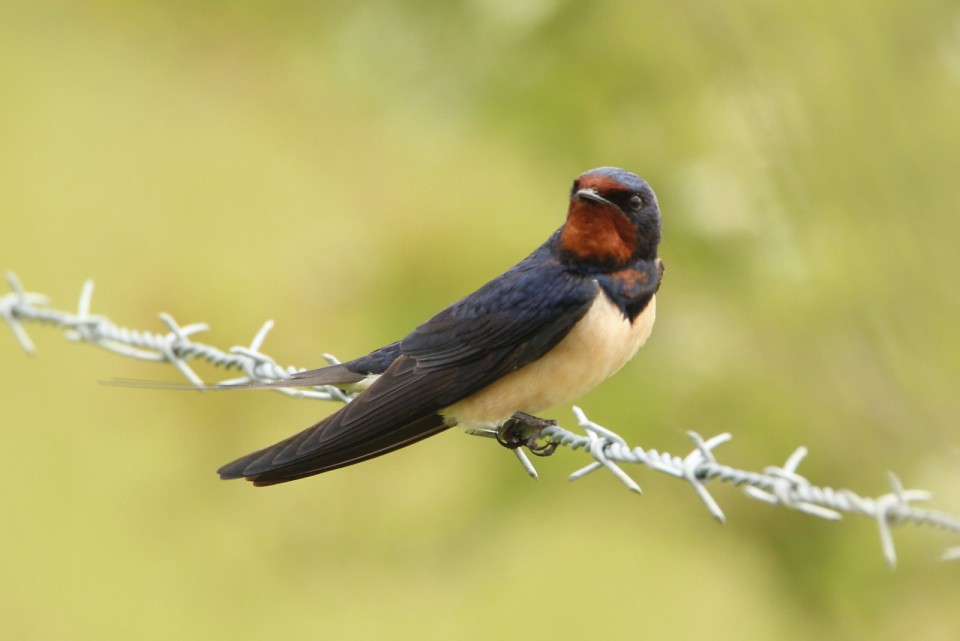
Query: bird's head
<point>613,219</point>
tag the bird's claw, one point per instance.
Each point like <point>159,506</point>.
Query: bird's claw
<point>523,430</point>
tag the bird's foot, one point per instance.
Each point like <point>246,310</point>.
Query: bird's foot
<point>523,430</point>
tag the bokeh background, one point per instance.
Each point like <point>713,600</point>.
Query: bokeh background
<point>348,168</point>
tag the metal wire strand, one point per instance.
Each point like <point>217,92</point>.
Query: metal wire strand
<point>777,485</point>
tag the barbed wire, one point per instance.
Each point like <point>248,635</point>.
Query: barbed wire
<point>775,485</point>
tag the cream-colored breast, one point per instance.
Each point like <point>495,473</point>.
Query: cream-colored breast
<point>597,346</point>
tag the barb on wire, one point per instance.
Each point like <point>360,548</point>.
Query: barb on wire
<point>175,346</point>
<point>776,485</point>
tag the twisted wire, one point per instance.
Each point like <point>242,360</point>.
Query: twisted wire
<point>174,347</point>
<point>776,485</point>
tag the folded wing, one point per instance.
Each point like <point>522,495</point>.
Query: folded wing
<point>508,323</point>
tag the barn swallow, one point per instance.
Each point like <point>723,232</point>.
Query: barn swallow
<point>541,334</point>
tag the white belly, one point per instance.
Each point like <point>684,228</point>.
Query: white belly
<point>597,346</point>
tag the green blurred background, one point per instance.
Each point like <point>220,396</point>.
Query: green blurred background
<point>348,168</point>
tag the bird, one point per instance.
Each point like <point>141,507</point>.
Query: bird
<point>541,334</point>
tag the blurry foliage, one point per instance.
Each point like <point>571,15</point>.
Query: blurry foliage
<point>348,168</point>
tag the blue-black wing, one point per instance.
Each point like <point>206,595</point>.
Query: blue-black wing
<point>508,323</point>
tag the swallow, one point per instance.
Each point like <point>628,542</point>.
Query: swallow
<point>541,334</point>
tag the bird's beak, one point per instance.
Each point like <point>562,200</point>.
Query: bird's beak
<point>593,195</point>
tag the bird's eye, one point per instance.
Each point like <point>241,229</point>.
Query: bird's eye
<point>636,202</point>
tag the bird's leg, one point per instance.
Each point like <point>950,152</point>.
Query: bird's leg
<point>524,430</point>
